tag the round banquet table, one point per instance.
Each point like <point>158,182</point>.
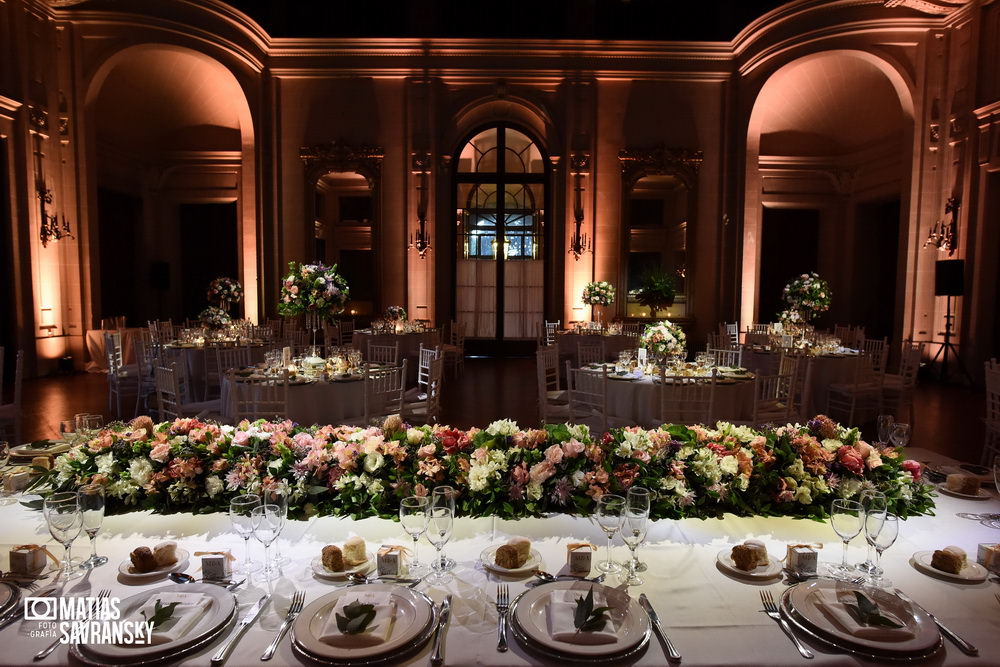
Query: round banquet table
<point>826,370</point>
<point>193,360</point>
<point>94,341</point>
<point>567,342</point>
<point>409,346</point>
<point>638,401</point>
<point>713,619</point>
<point>316,402</point>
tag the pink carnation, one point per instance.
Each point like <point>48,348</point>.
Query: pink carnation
<point>573,448</point>
<point>553,455</point>
<point>426,451</point>
<point>160,453</point>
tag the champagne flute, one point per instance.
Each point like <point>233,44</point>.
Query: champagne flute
<point>872,501</point>
<point>881,531</point>
<point>279,498</point>
<point>413,517</point>
<point>885,427</point>
<point>639,498</point>
<point>899,436</point>
<point>439,526</point>
<point>267,523</point>
<point>847,518</point>
<point>241,516</point>
<point>633,531</point>
<point>444,496</point>
<point>65,520</point>
<point>6,498</point>
<point>92,506</point>
<point>610,512</point>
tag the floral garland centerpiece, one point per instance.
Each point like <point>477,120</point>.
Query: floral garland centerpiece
<point>225,291</point>
<point>214,318</point>
<point>664,340</point>
<point>396,313</point>
<point>599,293</point>
<point>808,295</point>
<point>314,290</point>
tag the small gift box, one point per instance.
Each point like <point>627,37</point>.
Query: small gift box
<point>988,555</point>
<point>216,565</point>
<point>17,481</point>
<point>392,560</point>
<point>41,462</point>
<point>802,558</point>
<point>578,556</point>
<point>29,559</point>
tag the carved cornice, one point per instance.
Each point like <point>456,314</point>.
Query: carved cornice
<point>680,162</point>
<point>932,7</point>
<point>339,156</point>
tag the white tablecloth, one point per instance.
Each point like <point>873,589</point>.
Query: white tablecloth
<point>712,618</point>
<point>198,361</point>
<point>638,401</point>
<point>315,403</point>
<point>568,342</point>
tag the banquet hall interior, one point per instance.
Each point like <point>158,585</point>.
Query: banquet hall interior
<point>737,214</point>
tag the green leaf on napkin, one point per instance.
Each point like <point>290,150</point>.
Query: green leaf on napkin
<point>587,618</point>
<point>161,613</point>
<point>867,613</point>
<point>355,618</point>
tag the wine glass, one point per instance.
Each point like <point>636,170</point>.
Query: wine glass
<point>871,501</point>
<point>847,518</point>
<point>267,523</point>
<point>639,498</point>
<point>444,496</point>
<point>633,531</point>
<point>439,527</point>
<point>92,506</point>
<point>881,530</point>
<point>413,517</point>
<point>899,436</point>
<point>610,513</point>
<point>241,515</point>
<point>5,497</point>
<point>67,430</point>
<point>885,427</point>
<point>65,520</point>
<point>279,498</point>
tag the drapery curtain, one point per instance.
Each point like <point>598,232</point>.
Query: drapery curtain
<point>477,300</point>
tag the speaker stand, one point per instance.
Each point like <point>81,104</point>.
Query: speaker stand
<point>949,348</point>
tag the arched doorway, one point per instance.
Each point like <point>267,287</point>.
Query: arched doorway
<point>501,192</point>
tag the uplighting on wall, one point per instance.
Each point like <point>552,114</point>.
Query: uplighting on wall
<point>579,243</point>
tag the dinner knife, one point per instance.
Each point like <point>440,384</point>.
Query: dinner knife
<point>245,623</point>
<point>658,629</point>
<point>963,645</point>
<point>437,657</point>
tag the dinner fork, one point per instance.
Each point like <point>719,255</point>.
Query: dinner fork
<point>44,653</point>
<point>771,610</point>
<point>293,611</point>
<point>503,603</point>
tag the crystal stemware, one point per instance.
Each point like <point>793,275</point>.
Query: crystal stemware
<point>639,498</point>
<point>92,506</point>
<point>885,423</point>
<point>899,436</point>
<point>610,513</point>
<point>241,515</point>
<point>65,520</point>
<point>5,497</point>
<point>413,516</point>
<point>847,518</point>
<point>633,531</point>
<point>279,498</point>
<point>881,531</point>
<point>267,522</point>
<point>872,501</point>
<point>439,526</point>
<point>444,496</point>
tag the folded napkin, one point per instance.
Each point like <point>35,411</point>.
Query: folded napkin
<point>378,630</point>
<point>186,614</point>
<point>562,609</point>
<point>827,601</point>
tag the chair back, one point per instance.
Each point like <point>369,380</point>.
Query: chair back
<point>456,335</point>
<point>759,328</point>
<point>231,358</point>
<point>878,350</point>
<point>909,365</point>
<point>589,353</point>
<point>435,381</point>
<point>258,400</point>
<point>587,392</point>
<point>633,329</point>
<point>992,392</point>
<point>346,328</point>
<point>384,389</point>
<point>732,330</point>
<point>169,392</point>
<point>426,356</point>
<point>113,351</point>
<point>772,399</point>
<point>550,331</point>
<point>296,338</point>
<point>686,400</point>
<point>547,367</point>
<point>730,358</point>
<point>383,354</point>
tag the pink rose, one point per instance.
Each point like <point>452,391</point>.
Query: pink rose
<point>864,449</point>
<point>915,468</point>
<point>553,455</point>
<point>851,459</point>
<point>420,490</point>
<point>573,448</point>
<point>541,472</point>
<point>160,453</point>
<point>426,451</point>
<point>480,455</point>
<point>241,439</point>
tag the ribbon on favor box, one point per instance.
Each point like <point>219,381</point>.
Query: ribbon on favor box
<point>32,547</point>
<point>815,545</point>
<point>227,554</point>
<point>387,549</point>
<point>573,546</point>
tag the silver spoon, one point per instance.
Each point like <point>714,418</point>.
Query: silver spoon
<point>545,576</point>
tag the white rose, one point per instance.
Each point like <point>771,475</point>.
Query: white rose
<point>374,461</point>
<point>414,436</point>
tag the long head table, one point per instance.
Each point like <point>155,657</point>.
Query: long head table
<point>712,618</point>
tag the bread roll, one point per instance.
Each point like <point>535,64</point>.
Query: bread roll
<point>960,483</point>
<point>949,559</point>
<point>506,556</point>
<point>142,560</point>
<point>523,547</point>
<point>333,558</point>
<point>750,555</point>
<point>165,553</point>
<point>355,552</point>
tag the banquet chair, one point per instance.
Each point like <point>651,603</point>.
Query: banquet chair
<point>730,358</point>
<point>991,447</point>
<point>772,400</point>
<point>878,350</point>
<point>732,330</point>
<point>454,349</point>
<point>633,329</point>
<point>171,396</point>
<point>167,330</point>
<point>686,400</point>
<point>121,378</point>
<point>552,400</point>
<point>860,399</point>
<point>550,331</point>
<point>331,335</point>
<point>587,395</point>
<point>759,328</point>
<point>10,413</point>
<point>425,356</point>
<point>232,358</point>
<point>898,388</point>
<point>589,353</point>
<point>383,354</point>
<point>257,400</point>
<point>384,389</point>
<point>428,409</point>
<point>297,338</point>
<point>212,378</point>
<point>147,356</point>
<point>799,365</point>
<point>716,341</point>
<point>346,328</point>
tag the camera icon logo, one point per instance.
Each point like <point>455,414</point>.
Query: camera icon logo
<point>40,609</point>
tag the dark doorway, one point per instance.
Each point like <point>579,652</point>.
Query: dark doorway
<point>876,253</point>
<point>119,216</point>
<point>789,246</point>
<point>209,243</point>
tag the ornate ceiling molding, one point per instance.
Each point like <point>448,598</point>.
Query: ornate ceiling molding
<point>933,7</point>
<point>680,162</point>
<point>339,156</point>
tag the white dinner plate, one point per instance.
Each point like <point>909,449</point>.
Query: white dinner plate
<point>10,595</point>
<point>414,616</point>
<point>769,571</point>
<point>981,494</point>
<point>125,569</point>
<point>488,559</point>
<point>972,573</point>
<point>29,450</point>
<point>530,616</point>
<point>320,571</point>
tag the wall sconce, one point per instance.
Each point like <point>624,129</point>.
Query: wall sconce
<point>421,241</point>
<point>51,229</point>
<point>579,243</point>
<point>944,235</point>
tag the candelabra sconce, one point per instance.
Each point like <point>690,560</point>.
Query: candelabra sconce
<point>421,240</point>
<point>579,243</point>
<point>944,234</point>
<point>52,229</point>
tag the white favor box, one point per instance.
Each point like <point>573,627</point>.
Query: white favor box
<point>27,561</point>
<point>216,567</point>
<point>579,560</point>
<point>988,555</point>
<point>390,563</point>
<point>802,560</point>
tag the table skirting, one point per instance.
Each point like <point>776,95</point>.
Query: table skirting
<point>314,403</point>
<point>568,342</point>
<point>638,401</point>
<point>98,358</point>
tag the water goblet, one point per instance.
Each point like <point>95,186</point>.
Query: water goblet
<point>633,532</point>
<point>610,513</point>
<point>440,523</point>
<point>279,498</point>
<point>885,423</point>
<point>5,497</point>
<point>639,499</point>
<point>65,521</point>
<point>444,496</point>
<point>871,501</point>
<point>413,515</point>
<point>899,436</point>
<point>847,519</point>
<point>241,515</point>
<point>881,531</point>
<point>92,506</point>
<point>267,522</point>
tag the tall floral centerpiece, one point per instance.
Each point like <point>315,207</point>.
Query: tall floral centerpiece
<point>808,295</point>
<point>395,313</point>
<point>599,293</point>
<point>664,340</point>
<point>314,290</point>
<point>224,292</point>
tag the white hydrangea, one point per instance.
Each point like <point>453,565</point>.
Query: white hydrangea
<point>506,427</point>
<point>105,463</point>
<point>227,429</point>
<point>126,489</point>
<point>213,485</point>
<point>729,465</point>
<point>140,470</point>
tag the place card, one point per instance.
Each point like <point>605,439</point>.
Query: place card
<point>641,356</point>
